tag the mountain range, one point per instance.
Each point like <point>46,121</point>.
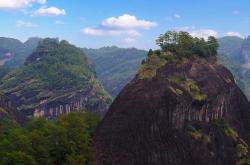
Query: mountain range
<point>169,105</point>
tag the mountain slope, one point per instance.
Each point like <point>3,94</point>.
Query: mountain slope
<point>56,78</point>
<point>158,121</point>
<point>179,109</point>
<point>234,54</point>
<point>13,52</point>
<point>115,66</point>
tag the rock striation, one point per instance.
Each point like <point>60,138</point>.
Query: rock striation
<point>189,112</point>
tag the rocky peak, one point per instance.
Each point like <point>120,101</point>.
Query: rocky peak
<point>185,111</point>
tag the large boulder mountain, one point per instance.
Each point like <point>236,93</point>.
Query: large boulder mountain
<point>13,52</point>
<point>115,66</point>
<point>174,112</point>
<point>56,78</point>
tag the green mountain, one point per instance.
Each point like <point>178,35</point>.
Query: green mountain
<point>56,78</point>
<point>234,53</point>
<point>13,52</point>
<point>115,66</point>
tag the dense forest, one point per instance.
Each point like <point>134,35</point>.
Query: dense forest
<point>65,141</point>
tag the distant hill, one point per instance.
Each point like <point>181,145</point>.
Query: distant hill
<point>234,53</point>
<point>56,78</point>
<point>13,52</point>
<point>115,66</point>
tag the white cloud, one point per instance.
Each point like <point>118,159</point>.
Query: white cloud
<point>177,16</point>
<point>237,34</point>
<point>26,24</point>
<point>58,22</point>
<point>127,22</point>
<point>50,11</point>
<point>104,32</point>
<point>18,4</point>
<point>123,25</point>
<point>203,33</point>
<point>200,33</point>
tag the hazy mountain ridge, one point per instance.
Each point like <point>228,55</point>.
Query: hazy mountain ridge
<point>235,55</point>
<point>13,52</point>
<point>115,66</point>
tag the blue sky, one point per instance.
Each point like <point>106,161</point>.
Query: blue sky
<point>125,23</point>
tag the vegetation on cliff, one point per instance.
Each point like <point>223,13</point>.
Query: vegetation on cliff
<point>182,44</point>
<point>65,141</point>
<point>176,46</point>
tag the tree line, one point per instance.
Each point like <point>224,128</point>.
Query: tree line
<point>65,141</point>
<point>183,44</point>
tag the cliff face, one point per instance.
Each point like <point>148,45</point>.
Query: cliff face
<point>188,112</point>
<point>57,78</point>
<point>8,112</point>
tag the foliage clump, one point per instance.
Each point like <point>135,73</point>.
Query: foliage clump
<point>64,141</point>
<point>241,150</point>
<point>182,44</point>
<point>189,85</point>
<point>230,132</point>
<point>198,135</point>
<point>150,66</point>
<point>241,147</point>
<point>176,46</point>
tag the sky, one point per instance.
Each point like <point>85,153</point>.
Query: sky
<point>124,23</point>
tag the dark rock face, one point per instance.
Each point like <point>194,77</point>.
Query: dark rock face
<point>66,104</point>
<point>160,121</point>
<point>8,109</point>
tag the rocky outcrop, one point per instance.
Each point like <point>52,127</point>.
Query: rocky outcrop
<point>8,110</point>
<point>65,105</point>
<point>190,112</point>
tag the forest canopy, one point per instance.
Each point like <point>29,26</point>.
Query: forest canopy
<point>65,141</point>
<point>183,44</point>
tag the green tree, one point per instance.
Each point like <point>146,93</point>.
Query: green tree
<point>168,41</point>
<point>64,141</point>
<point>213,45</point>
<point>150,52</point>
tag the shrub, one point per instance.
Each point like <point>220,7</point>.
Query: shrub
<point>241,150</point>
<point>196,134</point>
<point>206,139</point>
<point>199,97</point>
